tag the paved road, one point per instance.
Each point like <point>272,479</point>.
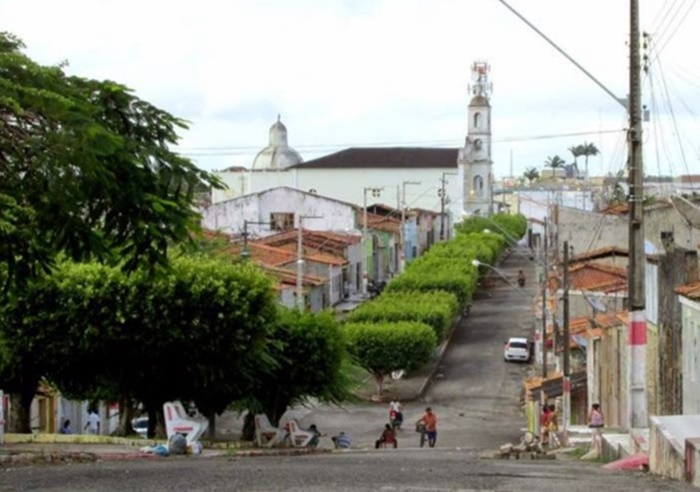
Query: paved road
<point>385,470</point>
<point>476,397</point>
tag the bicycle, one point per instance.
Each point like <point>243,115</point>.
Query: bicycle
<point>420,428</point>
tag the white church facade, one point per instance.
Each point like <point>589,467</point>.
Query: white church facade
<point>385,175</point>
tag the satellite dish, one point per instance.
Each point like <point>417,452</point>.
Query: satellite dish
<point>689,211</point>
<point>596,304</point>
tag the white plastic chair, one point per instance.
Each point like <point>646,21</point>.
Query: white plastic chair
<point>299,438</point>
<point>178,422</point>
<point>265,433</point>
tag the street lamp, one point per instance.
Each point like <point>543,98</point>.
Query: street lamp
<point>402,263</point>
<point>376,192</point>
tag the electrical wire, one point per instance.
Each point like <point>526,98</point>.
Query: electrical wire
<point>663,43</point>
<point>213,151</point>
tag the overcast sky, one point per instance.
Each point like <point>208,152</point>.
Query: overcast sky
<point>382,72</point>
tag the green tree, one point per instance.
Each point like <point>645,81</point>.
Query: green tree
<point>85,169</point>
<point>576,152</point>
<point>385,347</point>
<point>554,162</point>
<point>196,333</point>
<point>308,355</point>
<point>531,174</point>
<point>587,150</point>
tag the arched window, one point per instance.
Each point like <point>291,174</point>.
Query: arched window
<point>477,120</point>
<point>478,185</point>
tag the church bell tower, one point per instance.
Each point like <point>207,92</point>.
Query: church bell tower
<point>475,157</point>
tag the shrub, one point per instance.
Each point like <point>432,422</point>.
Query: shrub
<point>436,309</point>
<point>384,347</point>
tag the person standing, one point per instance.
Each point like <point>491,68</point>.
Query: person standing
<point>93,423</point>
<point>596,422</point>
<point>429,420</point>
<point>553,427</point>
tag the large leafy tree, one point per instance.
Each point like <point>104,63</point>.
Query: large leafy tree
<point>309,358</point>
<point>196,333</point>
<point>85,168</point>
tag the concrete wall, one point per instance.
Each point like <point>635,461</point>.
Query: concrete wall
<point>229,216</point>
<point>691,356</point>
<point>348,184</point>
<point>653,370</point>
<point>678,266</point>
<point>667,441</point>
<point>591,230</point>
<point>580,307</point>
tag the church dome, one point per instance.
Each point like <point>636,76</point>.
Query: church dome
<point>479,101</point>
<point>278,154</point>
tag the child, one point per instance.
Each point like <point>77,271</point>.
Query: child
<point>388,437</point>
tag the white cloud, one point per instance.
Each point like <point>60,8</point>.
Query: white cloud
<point>344,72</point>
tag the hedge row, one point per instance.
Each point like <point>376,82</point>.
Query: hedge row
<point>384,347</point>
<point>429,293</point>
<point>436,309</point>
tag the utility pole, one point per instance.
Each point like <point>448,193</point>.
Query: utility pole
<point>300,260</point>
<point>376,192</point>
<point>544,306</point>
<point>403,221</point>
<point>566,383</point>
<point>637,329</point>
<point>443,198</point>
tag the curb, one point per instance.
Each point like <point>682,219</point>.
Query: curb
<point>441,355</point>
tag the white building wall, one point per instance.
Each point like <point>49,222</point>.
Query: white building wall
<point>229,216</point>
<point>348,185</point>
<point>691,356</point>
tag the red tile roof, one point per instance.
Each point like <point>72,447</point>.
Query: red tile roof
<point>691,290</point>
<point>289,277</point>
<point>385,224</point>
<point>599,253</point>
<point>329,245</point>
<point>598,277</point>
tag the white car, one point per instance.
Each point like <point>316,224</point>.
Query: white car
<point>517,348</point>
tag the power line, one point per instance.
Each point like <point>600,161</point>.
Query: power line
<point>214,151</point>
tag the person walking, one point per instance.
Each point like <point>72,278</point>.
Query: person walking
<point>429,420</point>
<point>596,422</point>
<point>93,423</point>
<point>395,413</point>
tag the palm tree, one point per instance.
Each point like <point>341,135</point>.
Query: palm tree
<point>554,163</point>
<point>576,151</point>
<point>531,174</point>
<point>588,149</point>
